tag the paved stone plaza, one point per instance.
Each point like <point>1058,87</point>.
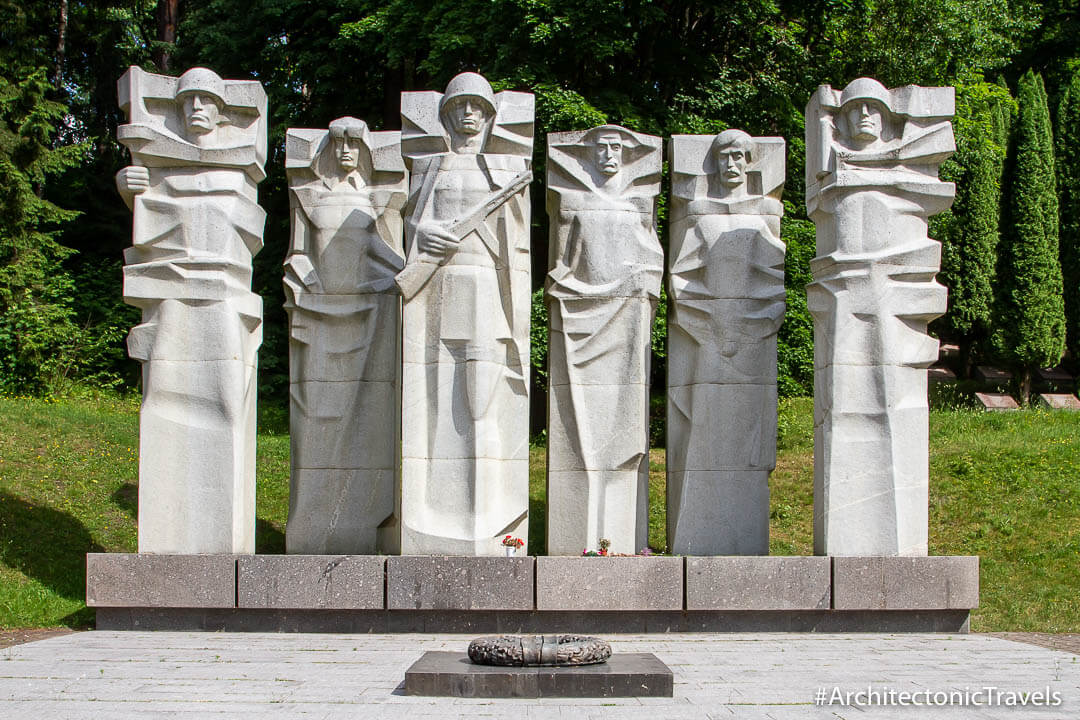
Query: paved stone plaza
<point>110,675</point>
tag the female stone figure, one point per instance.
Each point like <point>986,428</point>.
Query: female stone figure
<point>347,186</point>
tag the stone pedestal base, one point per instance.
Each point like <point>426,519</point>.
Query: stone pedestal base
<point>452,674</point>
<point>370,593</point>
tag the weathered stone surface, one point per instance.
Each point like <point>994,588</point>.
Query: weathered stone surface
<point>347,187</point>
<point>871,185</point>
<point>332,582</point>
<point>1060,401</point>
<point>466,290</point>
<point>726,303</point>
<point>459,583</point>
<point>992,374</point>
<point>160,581</point>
<point>609,583</point>
<point>442,673</point>
<point>906,583</point>
<point>758,583</point>
<point>535,650</point>
<point>997,401</point>
<point>198,145</point>
<point>605,264</point>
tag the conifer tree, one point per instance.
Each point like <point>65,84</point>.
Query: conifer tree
<point>969,232</point>
<point>1067,147</point>
<point>1030,320</point>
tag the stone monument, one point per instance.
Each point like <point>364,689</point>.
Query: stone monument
<point>347,187</point>
<point>605,268</point>
<point>872,157</point>
<point>466,290</point>
<point>198,145</point>
<point>725,306</point>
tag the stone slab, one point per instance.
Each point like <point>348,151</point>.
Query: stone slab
<point>940,373</point>
<point>758,583</point>
<point>160,581</point>
<point>609,583</point>
<point>1054,375</point>
<point>440,582</point>
<point>906,583</point>
<point>997,401</point>
<point>452,674</point>
<point>486,622</point>
<point>1060,401</point>
<point>992,374</point>
<point>331,582</point>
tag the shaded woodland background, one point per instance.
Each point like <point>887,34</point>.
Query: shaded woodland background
<point>1011,244</point>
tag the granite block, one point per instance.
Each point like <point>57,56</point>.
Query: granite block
<point>160,581</point>
<point>609,583</point>
<point>997,401</point>
<point>452,674</point>
<point>758,583</point>
<point>302,582</point>
<point>1059,401</point>
<point>440,582</point>
<point>905,583</point>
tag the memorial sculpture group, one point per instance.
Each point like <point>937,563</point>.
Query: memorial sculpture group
<point>408,290</point>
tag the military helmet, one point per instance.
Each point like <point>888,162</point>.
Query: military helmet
<point>202,80</point>
<point>469,84</point>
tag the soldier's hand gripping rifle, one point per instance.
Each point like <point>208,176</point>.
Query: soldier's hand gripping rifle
<point>417,273</point>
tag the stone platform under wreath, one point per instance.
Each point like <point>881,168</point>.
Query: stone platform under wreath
<point>451,674</point>
<point>592,595</point>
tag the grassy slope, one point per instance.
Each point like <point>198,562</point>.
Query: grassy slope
<point>1003,486</point>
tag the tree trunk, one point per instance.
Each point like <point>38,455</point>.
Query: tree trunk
<point>61,45</point>
<point>168,15</point>
<point>1023,385</point>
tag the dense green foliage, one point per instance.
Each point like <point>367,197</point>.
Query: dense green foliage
<point>1031,325</point>
<point>969,231</point>
<point>1067,159</point>
<point>678,66</point>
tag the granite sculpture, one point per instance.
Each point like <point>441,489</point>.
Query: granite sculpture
<point>347,188</point>
<point>538,650</point>
<point>725,306</point>
<point>871,183</point>
<point>198,146</point>
<point>605,267</point>
<point>466,291</point>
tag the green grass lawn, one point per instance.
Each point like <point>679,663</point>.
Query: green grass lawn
<point>1003,486</point>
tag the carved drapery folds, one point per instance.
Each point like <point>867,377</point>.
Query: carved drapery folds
<point>605,267</point>
<point>871,183</point>
<point>347,187</point>
<point>198,145</point>
<point>725,306</point>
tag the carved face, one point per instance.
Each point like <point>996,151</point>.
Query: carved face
<point>201,113</point>
<point>468,115</point>
<point>731,164</point>
<point>864,120</point>
<point>608,151</point>
<point>347,152</point>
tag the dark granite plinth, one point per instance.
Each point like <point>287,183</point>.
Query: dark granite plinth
<point>452,674</point>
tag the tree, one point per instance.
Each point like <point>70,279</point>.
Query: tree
<point>1067,145</point>
<point>969,231</point>
<point>1030,331</point>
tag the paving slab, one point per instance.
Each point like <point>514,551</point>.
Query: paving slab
<point>128,675</point>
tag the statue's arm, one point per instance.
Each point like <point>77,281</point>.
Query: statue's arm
<point>299,260</point>
<point>131,181</point>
